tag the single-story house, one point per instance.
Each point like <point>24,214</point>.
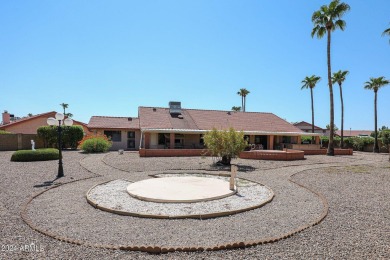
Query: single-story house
<point>123,131</point>
<point>355,133</point>
<point>29,125</point>
<point>306,127</point>
<point>176,128</point>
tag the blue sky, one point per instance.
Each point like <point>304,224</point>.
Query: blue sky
<point>109,57</point>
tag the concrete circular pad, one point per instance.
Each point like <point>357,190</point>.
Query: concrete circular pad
<point>180,189</point>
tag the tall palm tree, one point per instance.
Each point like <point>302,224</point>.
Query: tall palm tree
<point>310,82</point>
<point>234,108</point>
<point>375,84</point>
<point>326,20</point>
<point>64,106</point>
<point>243,93</point>
<point>339,77</point>
<point>386,32</point>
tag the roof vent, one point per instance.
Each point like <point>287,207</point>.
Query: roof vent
<point>154,109</point>
<point>229,113</point>
<point>174,107</point>
<point>180,116</point>
<point>129,119</point>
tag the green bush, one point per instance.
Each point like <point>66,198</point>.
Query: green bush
<point>37,155</point>
<point>3,132</point>
<point>96,145</point>
<point>71,135</point>
<point>227,144</point>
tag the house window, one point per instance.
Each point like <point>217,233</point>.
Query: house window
<point>115,136</point>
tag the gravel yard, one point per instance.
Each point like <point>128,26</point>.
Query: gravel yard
<point>356,189</point>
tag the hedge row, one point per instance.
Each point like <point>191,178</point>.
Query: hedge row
<point>71,136</point>
<point>37,155</point>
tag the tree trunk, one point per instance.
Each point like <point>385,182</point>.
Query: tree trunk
<point>330,151</point>
<point>226,160</point>
<point>312,115</point>
<point>376,146</point>
<point>242,103</point>
<point>342,118</point>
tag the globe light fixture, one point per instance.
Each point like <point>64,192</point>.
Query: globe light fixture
<point>59,121</point>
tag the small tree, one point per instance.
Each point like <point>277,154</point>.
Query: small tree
<point>227,144</point>
<point>234,108</point>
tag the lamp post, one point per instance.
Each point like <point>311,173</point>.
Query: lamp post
<point>67,122</point>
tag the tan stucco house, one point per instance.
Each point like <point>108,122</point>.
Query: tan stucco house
<point>29,125</point>
<point>160,129</point>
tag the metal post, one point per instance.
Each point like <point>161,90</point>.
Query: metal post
<point>60,168</point>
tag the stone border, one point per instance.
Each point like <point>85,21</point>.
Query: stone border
<point>200,216</point>
<point>158,249</point>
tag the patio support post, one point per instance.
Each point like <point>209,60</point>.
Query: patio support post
<point>317,140</point>
<point>271,142</point>
<point>172,140</point>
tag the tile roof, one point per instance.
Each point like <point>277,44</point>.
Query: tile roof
<point>354,132</point>
<point>304,123</point>
<point>196,119</point>
<point>109,122</point>
<point>26,119</point>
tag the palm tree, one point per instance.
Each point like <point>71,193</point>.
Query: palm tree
<point>310,82</point>
<point>70,115</point>
<point>375,84</point>
<point>234,108</point>
<point>386,32</point>
<point>243,93</point>
<point>64,106</point>
<point>339,77</point>
<point>326,20</point>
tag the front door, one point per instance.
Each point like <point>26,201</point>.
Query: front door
<point>131,140</point>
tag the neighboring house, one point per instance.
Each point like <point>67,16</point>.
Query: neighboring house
<point>123,131</point>
<point>306,127</point>
<point>354,133</point>
<point>29,125</point>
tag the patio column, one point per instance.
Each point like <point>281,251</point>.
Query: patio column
<point>172,141</point>
<point>317,140</point>
<point>147,140</point>
<point>299,139</point>
<point>271,142</point>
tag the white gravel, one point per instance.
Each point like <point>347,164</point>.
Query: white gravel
<point>113,195</point>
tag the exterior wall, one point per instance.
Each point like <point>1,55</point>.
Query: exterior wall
<point>285,155</point>
<point>323,151</point>
<point>123,143</point>
<point>13,142</point>
<point>171,152</point>
<point>28,127</point>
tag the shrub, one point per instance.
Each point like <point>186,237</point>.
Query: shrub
<point>306,139</point>
<point>37,155</point>
<point>3,132</point>
<point>227,144</point>
<point>71,135</point>
<point>95,144</point>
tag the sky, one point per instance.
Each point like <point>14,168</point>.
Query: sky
<point>106,58</point>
